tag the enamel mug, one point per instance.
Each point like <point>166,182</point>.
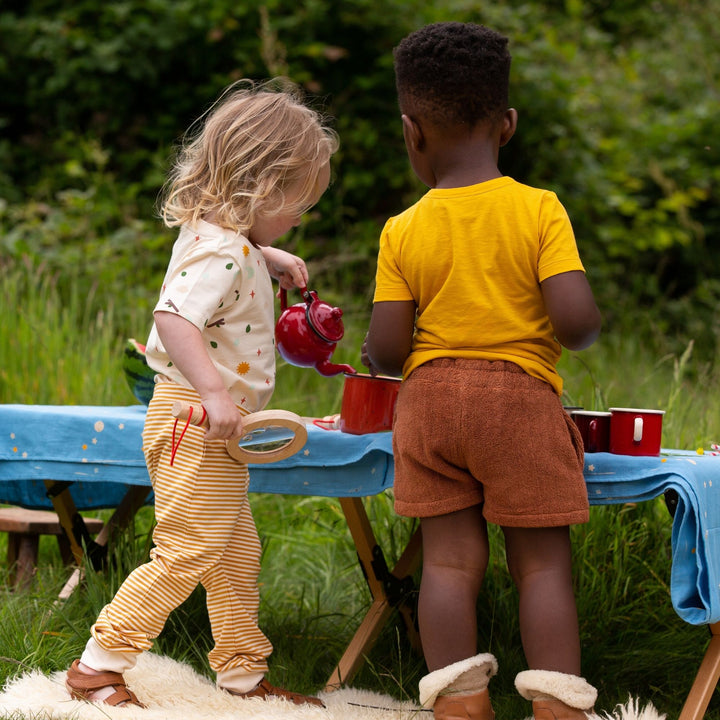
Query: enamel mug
<point>594,428</point>
<point>635,431</point>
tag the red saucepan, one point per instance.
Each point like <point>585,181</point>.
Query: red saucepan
<point>368,403</point>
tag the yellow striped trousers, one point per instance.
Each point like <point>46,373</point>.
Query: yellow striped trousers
<point>205,534</point>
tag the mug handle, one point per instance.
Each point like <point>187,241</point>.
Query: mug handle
<point>592,435</point>
<point>638,430</point>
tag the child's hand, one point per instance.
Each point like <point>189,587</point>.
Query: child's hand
<point>288,269</point>
<point>224,417</point>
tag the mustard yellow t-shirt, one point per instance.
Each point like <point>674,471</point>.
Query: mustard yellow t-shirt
<point>472,259</point>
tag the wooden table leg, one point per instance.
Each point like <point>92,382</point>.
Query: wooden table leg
<point>132,501</point>
<point>380,581</point>
<point>706,680</point>
<point>66,511</point>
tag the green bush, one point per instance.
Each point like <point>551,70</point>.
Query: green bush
<point>615,115</point>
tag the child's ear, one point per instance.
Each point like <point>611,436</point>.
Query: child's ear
<point>413,134</point>
<point>509,125</point>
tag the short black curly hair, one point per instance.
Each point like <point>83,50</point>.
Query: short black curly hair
<point>453,73</point>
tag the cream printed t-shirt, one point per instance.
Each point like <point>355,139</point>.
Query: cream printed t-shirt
<point>218,281</point>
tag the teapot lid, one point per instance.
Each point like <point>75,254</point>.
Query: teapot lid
<point>324,319</point>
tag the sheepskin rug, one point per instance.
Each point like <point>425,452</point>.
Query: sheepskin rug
<point>175,691</point>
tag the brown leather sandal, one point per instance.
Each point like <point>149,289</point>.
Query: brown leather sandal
<point>265,690</point>
<point>81,686</point>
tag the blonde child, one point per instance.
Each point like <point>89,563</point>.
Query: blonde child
<point>478,285</point>
<point>259,160</point>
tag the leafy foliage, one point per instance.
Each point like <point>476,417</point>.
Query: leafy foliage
<point>616,115</point>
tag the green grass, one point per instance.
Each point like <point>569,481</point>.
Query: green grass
<point>313,592</point>
<point>57,348</point>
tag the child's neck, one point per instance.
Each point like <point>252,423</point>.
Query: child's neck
<point>460,164</point>
<point>474,176</point>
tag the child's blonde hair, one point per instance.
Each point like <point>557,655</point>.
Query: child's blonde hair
<point>256,143</point>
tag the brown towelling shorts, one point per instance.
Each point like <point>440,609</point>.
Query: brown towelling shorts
<point>468,432</point>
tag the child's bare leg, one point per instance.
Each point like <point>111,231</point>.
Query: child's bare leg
<point>455,557</point>
<point>540,562</point>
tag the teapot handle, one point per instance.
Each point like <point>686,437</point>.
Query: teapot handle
<point>283,297</point>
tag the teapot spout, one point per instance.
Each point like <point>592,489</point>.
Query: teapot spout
<point>326,368</point>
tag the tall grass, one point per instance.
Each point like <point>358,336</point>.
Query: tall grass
<point>313,592</point>
<point>58,348</point>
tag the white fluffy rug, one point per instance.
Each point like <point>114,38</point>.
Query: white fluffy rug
<point>174,691</point>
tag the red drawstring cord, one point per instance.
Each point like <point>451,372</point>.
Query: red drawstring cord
<point>175,445</point>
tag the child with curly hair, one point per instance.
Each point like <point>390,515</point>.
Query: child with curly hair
<point>259,160</point>
<point>478,285</point>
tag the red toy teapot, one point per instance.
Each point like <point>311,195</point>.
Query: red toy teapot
<point>306,333</point>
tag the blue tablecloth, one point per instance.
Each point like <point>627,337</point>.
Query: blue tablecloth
<point>695,574</point>
<point>99,449</point>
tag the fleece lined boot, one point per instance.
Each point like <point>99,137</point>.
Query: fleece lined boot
<point>556,695</point>
<point>459,691</point>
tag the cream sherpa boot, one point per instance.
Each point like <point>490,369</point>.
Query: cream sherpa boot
<point>556,695</point>
<point>459,691</point>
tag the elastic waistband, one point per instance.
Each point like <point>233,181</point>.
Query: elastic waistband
<point>473,365</point>
<point>168,390</point>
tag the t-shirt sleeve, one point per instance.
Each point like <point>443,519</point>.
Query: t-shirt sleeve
<point>558,251</point>
<point>197,287</point>
<point>390,285</point>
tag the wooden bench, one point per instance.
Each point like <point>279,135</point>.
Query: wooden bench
<point>24,528</point>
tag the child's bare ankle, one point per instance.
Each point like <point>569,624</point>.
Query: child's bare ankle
<point>86,670</point>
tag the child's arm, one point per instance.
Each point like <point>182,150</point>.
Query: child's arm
<point>184,344</point>
<point>288,269</point>
<point>389,339</point>
<point>571,307</point>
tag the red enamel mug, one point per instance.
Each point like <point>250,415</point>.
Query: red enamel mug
<point>594,428</point>
<point>635,431</point>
